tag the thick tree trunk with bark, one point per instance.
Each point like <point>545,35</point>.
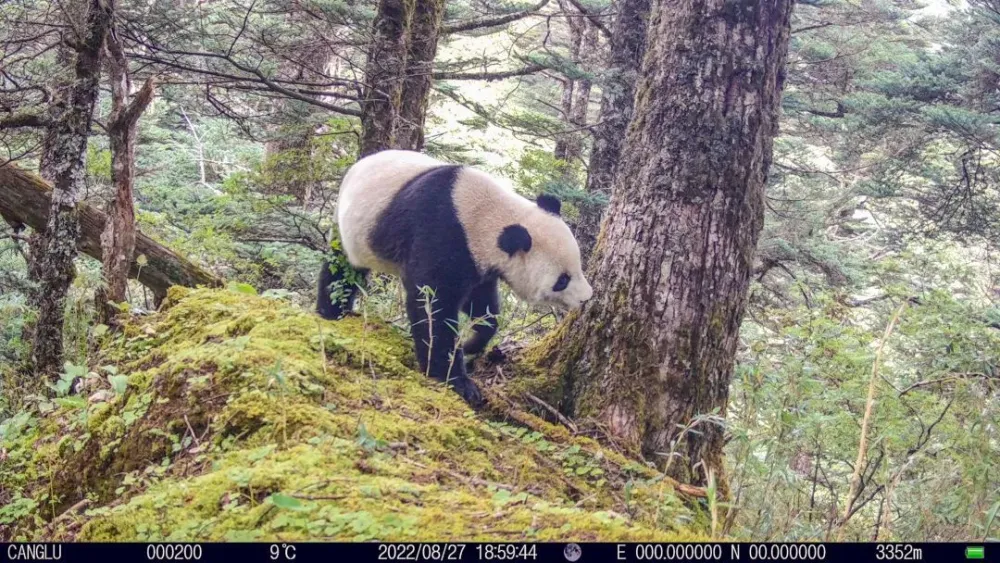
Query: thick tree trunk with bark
<point>650,357</point>
<point>118,238</point>
<point>26,198</point>
<point>628,45</point>
<point>424,32</point>
<point>55,262</point>
<point>384,73</point>
<point>60,87</point>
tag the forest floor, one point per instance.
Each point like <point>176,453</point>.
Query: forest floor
<point>232,416</point>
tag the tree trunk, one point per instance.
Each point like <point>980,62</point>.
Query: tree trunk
<point>650,357</point>
<point>301,121</point>
<point>566,105</point>
<point>562,148</point>
<point>26,198</point>
<point>628,44</point>
<point>118,238</point>
<point>588,55</point>
<point>55,263</point>
<point>60,87</point>
<point>384,75</point>
<point>424,32</point>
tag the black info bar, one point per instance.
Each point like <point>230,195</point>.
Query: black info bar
<point>482,552</point>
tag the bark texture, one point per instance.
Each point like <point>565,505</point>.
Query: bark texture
<point>653,351</point>
<point>628,45</point>
<point>118,238</point>
<point>588,57</point>
<point>67,157</point>
<point>384,73</point>
<point>564,149</point>
<point>424,32</point>
<point>27,198</point>
<point>60,88</point>
<point>566,107</point>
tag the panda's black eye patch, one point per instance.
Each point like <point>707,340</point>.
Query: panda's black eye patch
<point>561,283</point>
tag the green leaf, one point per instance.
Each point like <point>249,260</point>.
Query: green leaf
<point>990,517</point>
<point>285,501</point>
<point>501,497</point>
<point>72,370</point>
<point>119,383</point>
<point>240,287</point>
<point>72,402</point>
<point>100,330</point>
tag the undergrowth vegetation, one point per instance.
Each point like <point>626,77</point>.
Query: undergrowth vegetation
<point>233,416</point>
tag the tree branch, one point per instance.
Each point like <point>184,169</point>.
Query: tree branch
<point>593,18</point>
<point>489,76</point>
<point>952,377</point>
<point>841,112</point>
<point>23,120</point>
<point>255,75</point>
<point>491,21</point>
<point>138,105</point>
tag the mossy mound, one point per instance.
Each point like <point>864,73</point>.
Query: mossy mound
<point>246,418</point>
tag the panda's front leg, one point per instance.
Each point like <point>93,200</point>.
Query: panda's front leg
<point>482,307</point>
<point>433,324</point>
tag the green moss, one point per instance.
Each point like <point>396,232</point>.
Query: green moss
<point>246,418</point>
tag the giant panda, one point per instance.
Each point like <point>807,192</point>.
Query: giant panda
<point>457,231</point>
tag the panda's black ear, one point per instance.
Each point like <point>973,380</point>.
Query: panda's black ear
<point>549,203</point>
<point>514,239</point>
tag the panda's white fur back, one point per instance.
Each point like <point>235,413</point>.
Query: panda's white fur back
<point>366,190</point>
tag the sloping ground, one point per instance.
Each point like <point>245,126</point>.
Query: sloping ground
<point>238,417</point>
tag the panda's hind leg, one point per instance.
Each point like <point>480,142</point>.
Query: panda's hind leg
<point>482,307</point>
<point>336,292</point>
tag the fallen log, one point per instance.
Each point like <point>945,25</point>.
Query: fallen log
<point>25,197</point>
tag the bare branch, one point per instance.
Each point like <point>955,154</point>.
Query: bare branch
<point>19,120</point>
<point>139,103</point>
<point>489,76</point>
<point>594,19</point>
<point>492,21</point>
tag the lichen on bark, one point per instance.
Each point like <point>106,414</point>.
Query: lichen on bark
<point>54,263</point>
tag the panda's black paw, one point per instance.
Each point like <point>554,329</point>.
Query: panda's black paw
<point>469,391</point>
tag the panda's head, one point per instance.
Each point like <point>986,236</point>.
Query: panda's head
<point>543,259</point>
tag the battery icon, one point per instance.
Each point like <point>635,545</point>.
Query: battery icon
<point>975,552</point>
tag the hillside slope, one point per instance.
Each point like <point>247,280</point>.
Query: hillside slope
<point>229,416</point>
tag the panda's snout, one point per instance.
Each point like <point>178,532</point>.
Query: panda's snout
<point>582,295</point>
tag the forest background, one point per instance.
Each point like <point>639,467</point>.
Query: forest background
<point>876,262</point>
